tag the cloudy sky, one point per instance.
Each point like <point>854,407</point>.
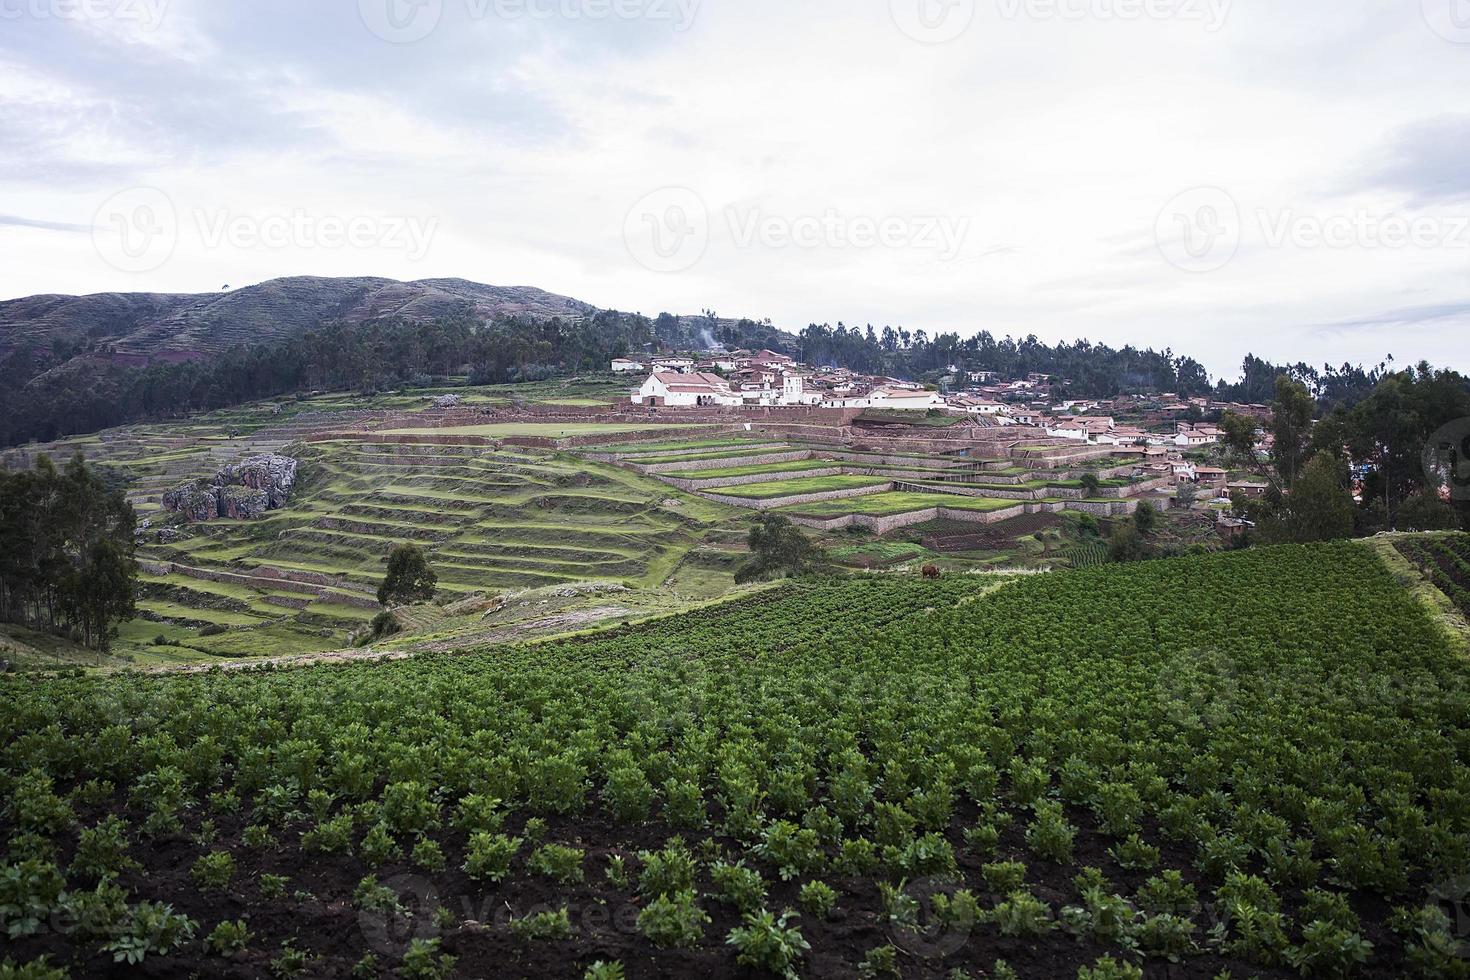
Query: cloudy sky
<point>1215,176</point>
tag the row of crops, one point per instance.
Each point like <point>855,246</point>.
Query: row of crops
<point>1252,762</point>
<point>1446,559</point>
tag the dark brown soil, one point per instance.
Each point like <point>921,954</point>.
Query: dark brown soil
<point>317,914</point>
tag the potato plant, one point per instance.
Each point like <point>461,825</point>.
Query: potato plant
<point>1253,761</point>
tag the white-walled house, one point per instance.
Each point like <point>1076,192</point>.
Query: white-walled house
<point>904,401</point>
<point>685,391</point>
<point>677,363</point>
<point>626,365</point>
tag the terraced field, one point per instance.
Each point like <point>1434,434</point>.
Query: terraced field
<point>897,502</point>
<point>799,487</point>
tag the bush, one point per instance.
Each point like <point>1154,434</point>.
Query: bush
<point>673,920</point>
<point>488,856</point>
<point>766,943</point>
<point>564,864</point>
<point>543,926</point>
<point>228,938</point>
<point>818,898</point>
<point>214,870</point>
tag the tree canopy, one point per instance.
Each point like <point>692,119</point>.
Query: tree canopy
<point>66,551</point>
<point>409,578</point>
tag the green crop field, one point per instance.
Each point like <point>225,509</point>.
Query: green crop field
<point>1254,763</point>
<point>897,502</point>
<point>548,430</point>
<point>792,488</point>
<point>793,466</point>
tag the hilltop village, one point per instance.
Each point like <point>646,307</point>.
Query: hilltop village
<point>1160,429</point>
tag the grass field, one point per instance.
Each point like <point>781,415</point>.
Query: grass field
<point>794,466</point>
<point>549,430</point>
<point>792,488</point>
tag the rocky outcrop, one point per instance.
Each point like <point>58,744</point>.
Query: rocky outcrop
<point>273,475</point>
<point>197,502</point>
<point>241,491</point>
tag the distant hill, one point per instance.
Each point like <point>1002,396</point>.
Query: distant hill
<point>138,328</point>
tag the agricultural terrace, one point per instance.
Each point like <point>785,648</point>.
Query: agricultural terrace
<point>898,502</point>
<point>496,523</point>
<point>1252,762</point>
<point>796,488</point>
<point>506,430</point>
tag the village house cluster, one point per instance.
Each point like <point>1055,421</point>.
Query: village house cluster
<point>1158,427</point>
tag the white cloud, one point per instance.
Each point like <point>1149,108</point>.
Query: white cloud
<point>1054,141</point>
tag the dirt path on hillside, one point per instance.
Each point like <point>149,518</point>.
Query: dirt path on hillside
<point>533,629</point>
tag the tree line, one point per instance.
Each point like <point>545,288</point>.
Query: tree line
<point>66,552</point>
<point>1359,469</point>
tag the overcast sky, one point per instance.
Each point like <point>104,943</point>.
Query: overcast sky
<point>1286,178</point>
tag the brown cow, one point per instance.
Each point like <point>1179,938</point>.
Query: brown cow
<point>931,572</point>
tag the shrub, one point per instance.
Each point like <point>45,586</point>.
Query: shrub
<point>1023,914</point>
<point>330,837</point>
<point>737,885</point>
<point>543,926</point>
<point>818,899</point>
<point>673,919</point>
<point>604,971</point>
<point>628,794</point>
<point>214,870</point>
<point>273,887</point>
<point>103,850</point>
<point>1168,892</point>
<point>428,855</point>
<point>666,872</point>
<point>880,962</point>
<point>1107,968</point>
<point>1050,836</point>
<point>378,846</point>
<point>151,930</point>
<point>1329,950</point>
<point>40,969</point>
<point>1135,854</point>
<point>1004,877</point>
<point>564,864</point>
<point>488,856</point>
<point>228,937</point>
<point>766,943</point>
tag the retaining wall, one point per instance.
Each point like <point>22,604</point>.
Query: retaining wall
<point>740,481</point>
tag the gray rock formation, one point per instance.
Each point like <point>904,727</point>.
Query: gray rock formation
<point>196,502</point>
<point>240,491</point>
<point>275,475</point>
